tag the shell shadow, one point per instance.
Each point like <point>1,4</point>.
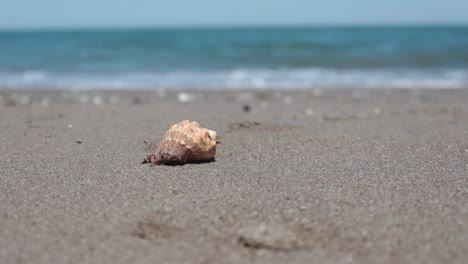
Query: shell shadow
<point>174,163</point>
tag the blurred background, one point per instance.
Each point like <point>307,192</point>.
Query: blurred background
<point>217,44</point>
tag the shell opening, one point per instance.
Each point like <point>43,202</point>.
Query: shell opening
<point>212,134</point>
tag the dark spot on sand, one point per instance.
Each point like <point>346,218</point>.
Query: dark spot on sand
<point>7,100</point>
<point>29,124</point>
<point>244,124</point>
<point>151,231</point>
<point>50,135</point>
<point>253,125</point>
<point>262,96</point>
<point>176,162</point>
<point>136,100</point>
<point>246,108</point>
<point>249,244</point>
<point>79,141</point>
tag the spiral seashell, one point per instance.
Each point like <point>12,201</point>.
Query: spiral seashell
<point>185,142</point>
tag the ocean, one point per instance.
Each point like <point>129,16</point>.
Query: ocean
<point>236,58</point>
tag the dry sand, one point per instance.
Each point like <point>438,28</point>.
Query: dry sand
<point>303,177</point>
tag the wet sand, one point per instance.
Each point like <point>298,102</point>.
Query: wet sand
<point>300,177</point>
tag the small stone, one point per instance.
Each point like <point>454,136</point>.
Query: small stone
<point>364,232</point>
<point>269,236</point>
<point>185,97</point>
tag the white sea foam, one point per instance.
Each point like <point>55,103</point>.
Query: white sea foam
<point>33,76</point>
<point>315,78</point>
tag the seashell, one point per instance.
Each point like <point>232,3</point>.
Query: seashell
<point>185,142</point>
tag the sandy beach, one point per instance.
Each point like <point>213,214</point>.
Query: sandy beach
<point>319,176</point>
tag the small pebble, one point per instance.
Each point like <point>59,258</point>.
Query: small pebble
<point>363,232</point>
<point>186,97</point>
<point>136,100</point>
<point>246,108</point>
<point>79,141</point>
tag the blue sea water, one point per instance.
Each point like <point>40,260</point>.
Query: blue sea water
<point>226,58</point>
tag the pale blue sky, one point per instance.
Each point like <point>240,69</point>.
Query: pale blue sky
<point>134,13</point>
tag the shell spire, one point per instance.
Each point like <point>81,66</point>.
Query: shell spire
<point>185,142</point>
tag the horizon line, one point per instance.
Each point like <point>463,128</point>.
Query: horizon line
<point>234,26</point>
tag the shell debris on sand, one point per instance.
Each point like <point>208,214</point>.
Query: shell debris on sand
<point>270,236</point>
<point>185,142</point>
